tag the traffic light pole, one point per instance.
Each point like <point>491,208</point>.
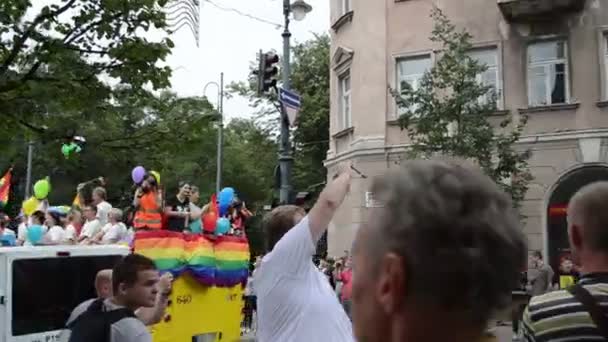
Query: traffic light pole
<point>285,157</point>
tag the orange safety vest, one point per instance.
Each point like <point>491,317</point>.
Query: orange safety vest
<point>148,215</point>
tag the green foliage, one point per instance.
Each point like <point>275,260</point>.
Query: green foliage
<point>58,58</point>
<point>445,115</point>
<point>310,78</point>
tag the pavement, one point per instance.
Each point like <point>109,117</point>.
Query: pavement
<point>502,333</point>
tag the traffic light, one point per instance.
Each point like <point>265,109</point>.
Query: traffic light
<point>267,72</point>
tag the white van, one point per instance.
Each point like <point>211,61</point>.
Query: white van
<point>39,287</point>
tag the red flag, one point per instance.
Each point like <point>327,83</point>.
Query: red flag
<point>5,187</point>
<point>213,205</point>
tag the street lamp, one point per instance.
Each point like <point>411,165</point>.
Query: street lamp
<point>299,9</point>
<point>220,129</point>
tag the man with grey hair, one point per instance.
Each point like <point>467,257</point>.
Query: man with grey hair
<point>438,258</point>
<point>578,313</point>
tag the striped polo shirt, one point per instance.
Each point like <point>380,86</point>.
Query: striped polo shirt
<point>559,317</point>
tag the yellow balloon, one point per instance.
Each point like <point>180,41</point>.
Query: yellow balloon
<point>30,205</point>
<point>156,175</point>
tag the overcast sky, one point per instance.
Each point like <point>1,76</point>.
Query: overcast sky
<point>229,41</point>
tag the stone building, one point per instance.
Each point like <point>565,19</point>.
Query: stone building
<point>547,59</point>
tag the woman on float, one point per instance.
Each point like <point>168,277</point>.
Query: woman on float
<point>148,205</point>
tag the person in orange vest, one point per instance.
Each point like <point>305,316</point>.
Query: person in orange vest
<point>148,205</point>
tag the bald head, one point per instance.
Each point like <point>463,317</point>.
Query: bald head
<point>103,284</point>
<point>588,216</point>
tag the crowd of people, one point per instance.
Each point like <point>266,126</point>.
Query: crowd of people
<point>434,262</point>
<point>96,221</point>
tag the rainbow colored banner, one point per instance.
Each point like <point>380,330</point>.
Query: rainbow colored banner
<point>214,261</point>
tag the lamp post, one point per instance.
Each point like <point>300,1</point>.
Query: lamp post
<point>220,130</point>
<point>28,173</point>
<point>299,8</point>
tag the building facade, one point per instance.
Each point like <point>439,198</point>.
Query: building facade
<point>547,59</point>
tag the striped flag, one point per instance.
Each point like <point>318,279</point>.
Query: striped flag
<point>292,103</point>
<point>5,187</point>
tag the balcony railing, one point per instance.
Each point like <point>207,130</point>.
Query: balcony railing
<point>533,10</point>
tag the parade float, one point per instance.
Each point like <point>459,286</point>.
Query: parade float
<point>210,272</point>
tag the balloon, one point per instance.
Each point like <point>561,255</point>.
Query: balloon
<point>42,189</point>
<point>226,195</point>
<point>138,174</point>
<point>30,205</point>
<point>210,222</point>
<point>223,226</point>
<point>196,226</point>
<point>156,176</point>
<point>35,233</point>
<point>65,149</point>
<point>223,207</point>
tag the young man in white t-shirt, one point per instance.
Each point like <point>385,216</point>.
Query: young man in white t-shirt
<point>91,227</point>
<point>295,300</point>
<point>103,207</point>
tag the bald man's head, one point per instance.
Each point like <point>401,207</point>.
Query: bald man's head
<point>588,218</point>
<point>103,284</point>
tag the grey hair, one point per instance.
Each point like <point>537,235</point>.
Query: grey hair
<point>116,214</point>
<point>588,209</point>
<point>457,232</point>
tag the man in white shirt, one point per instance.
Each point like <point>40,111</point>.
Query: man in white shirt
<point>103,207</point>
<point>92,226</point>
<point>295,300</point>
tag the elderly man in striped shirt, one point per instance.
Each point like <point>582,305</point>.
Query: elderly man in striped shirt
<point>578,313</point>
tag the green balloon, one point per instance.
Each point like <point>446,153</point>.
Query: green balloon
<point>65,149</point>
<point>42,189</point>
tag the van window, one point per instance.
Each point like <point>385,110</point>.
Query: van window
<point>45,291</point>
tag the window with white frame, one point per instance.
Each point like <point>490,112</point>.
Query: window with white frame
<point>491,77</point>
<point>345,101</point>
<point>345,6</point>
<point>409,73</point>
<point>548,73</point>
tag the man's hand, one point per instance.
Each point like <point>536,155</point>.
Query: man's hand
<point>165,283</point>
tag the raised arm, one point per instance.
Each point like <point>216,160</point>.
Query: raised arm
<point>328,203</point>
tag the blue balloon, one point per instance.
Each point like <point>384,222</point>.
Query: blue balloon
<point>226,196</point>
<point>35,233</point>
<point>223,226</point>
<point>196,226</point>
<point>223,208</point>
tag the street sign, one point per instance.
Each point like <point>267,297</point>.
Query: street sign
<point>291,101</point>
<point>370,201</point>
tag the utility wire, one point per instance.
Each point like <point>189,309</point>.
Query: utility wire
<point>241,13</point>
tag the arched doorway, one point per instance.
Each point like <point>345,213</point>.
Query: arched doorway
<point>566,187</point>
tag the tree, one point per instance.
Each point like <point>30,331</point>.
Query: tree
<point>310,78</point>
<point>450,113</point>
<point>68,48</point>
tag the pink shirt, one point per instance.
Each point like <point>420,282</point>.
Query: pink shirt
<point>347,277</point>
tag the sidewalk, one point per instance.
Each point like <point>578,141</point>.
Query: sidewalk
<point>502,333</point>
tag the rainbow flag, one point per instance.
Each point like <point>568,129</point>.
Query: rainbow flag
<point>5,187</point>
<point>213,261</point>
